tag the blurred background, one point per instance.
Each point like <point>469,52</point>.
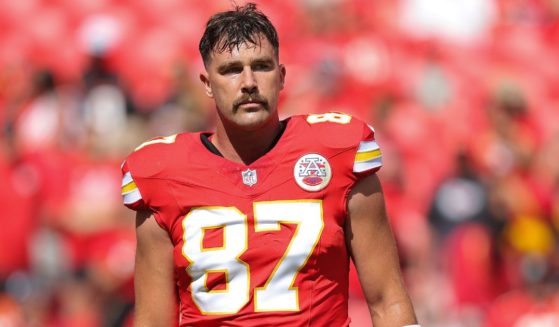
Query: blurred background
<point>463,94</point>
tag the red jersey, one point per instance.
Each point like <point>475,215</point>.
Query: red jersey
<point>259,244</point>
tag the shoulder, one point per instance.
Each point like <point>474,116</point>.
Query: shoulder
<point>335,129</point>
<point>154,156</point>
<point>150,161</point>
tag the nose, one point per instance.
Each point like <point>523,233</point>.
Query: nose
<point>248,82</point>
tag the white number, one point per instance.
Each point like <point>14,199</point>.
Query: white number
<point>278,293</point>
<point>333,117</point>
<point>225,258</point>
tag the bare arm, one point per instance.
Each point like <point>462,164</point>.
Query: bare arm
<point>374,253</point>
<point>153,278</point>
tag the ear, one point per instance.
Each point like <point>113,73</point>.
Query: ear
<point>207,85</point>
<point>282,76</point>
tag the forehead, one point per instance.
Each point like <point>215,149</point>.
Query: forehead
<point>244,51</point>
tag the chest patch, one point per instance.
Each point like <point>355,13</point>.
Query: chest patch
<point>312,172</point>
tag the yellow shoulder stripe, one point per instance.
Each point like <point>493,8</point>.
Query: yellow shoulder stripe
<point>367,155</point>
<point>129,187</point>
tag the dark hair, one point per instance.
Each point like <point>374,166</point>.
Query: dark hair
<point>230,29</point>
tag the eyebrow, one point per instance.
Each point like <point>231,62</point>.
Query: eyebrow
<point>237,63</point>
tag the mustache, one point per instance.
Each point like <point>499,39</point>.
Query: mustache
<point>246,98</point>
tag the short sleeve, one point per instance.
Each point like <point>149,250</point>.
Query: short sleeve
<point>368,157</point>
<point>131,195</point>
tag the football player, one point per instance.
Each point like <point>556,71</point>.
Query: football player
<point>254,224</point>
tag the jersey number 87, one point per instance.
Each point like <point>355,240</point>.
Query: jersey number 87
<point>279,292</point>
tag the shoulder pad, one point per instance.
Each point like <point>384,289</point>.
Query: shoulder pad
<point>337,130</point>
<point>151,158</point>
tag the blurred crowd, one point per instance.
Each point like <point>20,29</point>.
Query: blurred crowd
<point>464,97</point>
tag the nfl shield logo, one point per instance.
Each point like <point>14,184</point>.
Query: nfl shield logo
<point>249,177</point>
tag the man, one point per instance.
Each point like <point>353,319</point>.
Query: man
<point>254,224</point>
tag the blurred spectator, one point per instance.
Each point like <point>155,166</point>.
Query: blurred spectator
<point>185,109</point>
<point>460,199</point>
<point>105,106</point>
<point>40,122</point>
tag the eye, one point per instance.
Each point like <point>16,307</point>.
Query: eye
<point>229,70</point>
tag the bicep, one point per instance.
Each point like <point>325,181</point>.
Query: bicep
<point>154,274</point>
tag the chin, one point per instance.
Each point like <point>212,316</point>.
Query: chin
<point>254,120</point>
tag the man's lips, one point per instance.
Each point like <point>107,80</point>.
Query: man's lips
<point>247,103</point>
<point>251,102</point>
<point>251,106</point>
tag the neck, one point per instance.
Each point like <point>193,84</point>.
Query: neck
<point>245,146</point>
